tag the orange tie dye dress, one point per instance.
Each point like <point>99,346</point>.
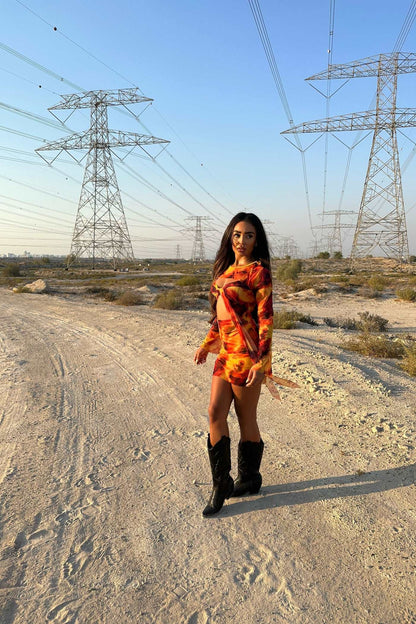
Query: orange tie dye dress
<point>242,332</point>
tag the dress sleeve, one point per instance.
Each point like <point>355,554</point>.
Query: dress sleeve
<point>262,287</point>
<point>212,342</point>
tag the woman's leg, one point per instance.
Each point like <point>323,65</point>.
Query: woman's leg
<point>219,406</point>
<point>245,403</point>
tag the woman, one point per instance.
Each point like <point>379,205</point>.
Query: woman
<point>241,332</point>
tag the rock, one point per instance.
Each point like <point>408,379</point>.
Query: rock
<point>39,286</point>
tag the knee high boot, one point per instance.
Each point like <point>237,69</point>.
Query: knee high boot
<point>220,460</point>
<point>249,479</point>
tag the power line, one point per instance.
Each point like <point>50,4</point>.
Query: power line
<point>264,37</point>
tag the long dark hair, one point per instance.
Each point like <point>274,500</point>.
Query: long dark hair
<point>225,254</point>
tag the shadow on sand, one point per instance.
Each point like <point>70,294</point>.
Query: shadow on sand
<point>327,488</point>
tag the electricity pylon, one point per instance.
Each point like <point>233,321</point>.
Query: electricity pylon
<point>100,230</point>
<point>198,250</point>
<point>381,220</point>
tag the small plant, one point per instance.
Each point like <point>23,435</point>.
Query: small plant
<point>170,300</point>
<point>375,345</point>
<point>289,270</point>
<point>409,360</point>
<point>287,319</point>
<point>323,255</point>
<point>188,280</point>
<point>371,322</point>
<point>377,282</point>
<point>337,255</point>
<point>343,323</point>
<point>129,298</point>
<point>11,270</point>
<point>101,292</point>
<point>406,294</point>
<point>370,293</point>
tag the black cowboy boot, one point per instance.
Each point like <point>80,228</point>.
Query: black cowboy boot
<point>249,459</point>
<point>220,460</point>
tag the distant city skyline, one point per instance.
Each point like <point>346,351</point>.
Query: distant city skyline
<point>214,100</point>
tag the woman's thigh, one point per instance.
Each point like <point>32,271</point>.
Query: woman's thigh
<point>245,401</point>
<point>221,398</point>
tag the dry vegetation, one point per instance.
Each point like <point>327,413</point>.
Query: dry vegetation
<point>176,286</point>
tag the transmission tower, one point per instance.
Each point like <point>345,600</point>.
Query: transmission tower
<point>381,220</point>
<point>198,251</point>
<point>334,239</point>
<point>100,230</point>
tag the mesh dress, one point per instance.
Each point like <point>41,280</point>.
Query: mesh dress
<point>242,336</point>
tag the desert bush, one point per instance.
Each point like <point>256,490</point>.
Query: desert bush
<point>406,294</point>
<point>343,323</point>
<point>287,319</point>
<point>371,322</point>
<point>102,292</point>
<point>11,270</point>
<point>409,360</point>
<point>412,259</point>
<point>129,298</point>
<point>188,280</point>
<point>377,282</point>
<point>170,300</point>
<point>337,255</point>
<point>289,270</point>
<point>323,255</point>
<point>370,293</point>
<point>306,284</point>
<point>375,345</point>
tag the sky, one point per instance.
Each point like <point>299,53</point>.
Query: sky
<point>214,98</point>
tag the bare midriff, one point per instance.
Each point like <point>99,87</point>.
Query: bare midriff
<point>222,312</point>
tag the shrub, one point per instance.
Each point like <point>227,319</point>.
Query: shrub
<point>188,280</point>
<point>371,322</point>
<point>289,270</point>
<point>406,294</point>
<point>323,255</point>
<point>375,346</point>
<point>370,293</point>
<point>412,259</point>
<point>337,255</point>
<point>129,298</point>
<point>104,293</point>
<point>346,323</point>
<point>377,282</point>
<point>287,319</point>
<point>368,323</point>
<point>170,300</point>
<point>11,270</point>
<point>409,360</point>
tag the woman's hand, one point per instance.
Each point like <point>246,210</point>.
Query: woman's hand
<point>254,377</point>
<point>200,356</point>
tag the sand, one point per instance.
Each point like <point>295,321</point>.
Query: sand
<point>104,473</point>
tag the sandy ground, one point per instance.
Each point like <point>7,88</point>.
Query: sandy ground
<point>104,474</point>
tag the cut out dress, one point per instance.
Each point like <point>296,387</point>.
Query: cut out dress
<point>243,338</point>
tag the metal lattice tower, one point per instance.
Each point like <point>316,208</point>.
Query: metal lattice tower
<point>381,220</point>
<point>100,230</point>
<point>198,250</point>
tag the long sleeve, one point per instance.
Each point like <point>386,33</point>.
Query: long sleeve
<point>262,287</point>
<point>212,342</point>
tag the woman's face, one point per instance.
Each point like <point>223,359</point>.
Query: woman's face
<point>243,240</point>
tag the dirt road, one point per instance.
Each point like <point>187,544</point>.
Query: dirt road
<point>104,474</point>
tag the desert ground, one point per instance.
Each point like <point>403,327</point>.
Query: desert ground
<point>104,472</point>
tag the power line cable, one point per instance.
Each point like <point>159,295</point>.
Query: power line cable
<point>264,38</point>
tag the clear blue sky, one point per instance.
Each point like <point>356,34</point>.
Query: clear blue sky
<point>214,98</point>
